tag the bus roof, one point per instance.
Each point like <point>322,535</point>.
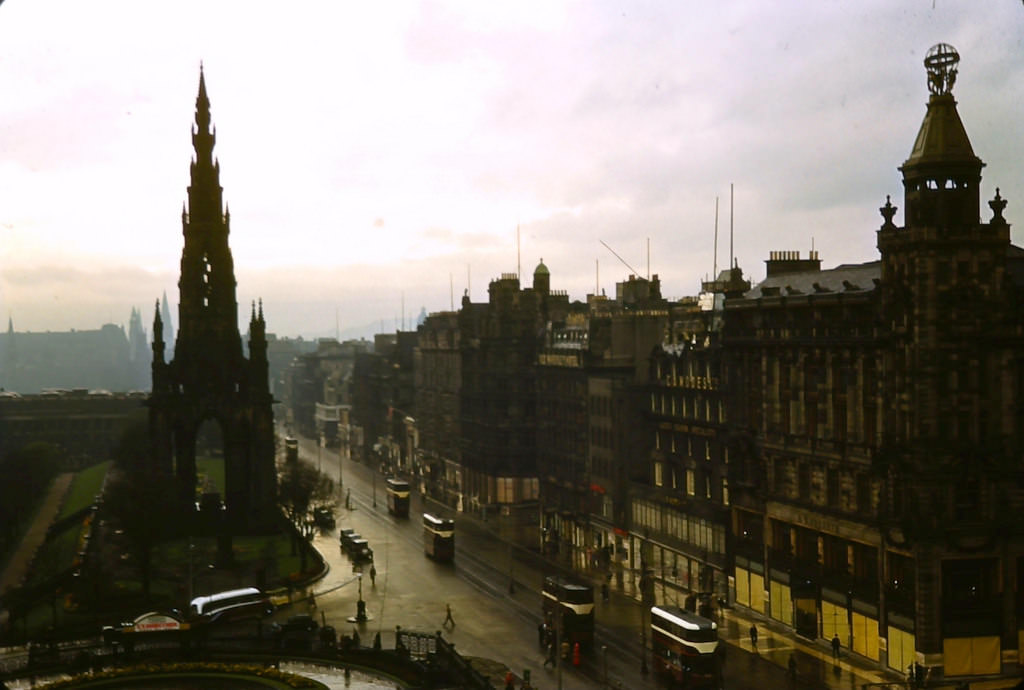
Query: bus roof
<point>683,618</point>
<point>220,596</point>
<point>565,583</point>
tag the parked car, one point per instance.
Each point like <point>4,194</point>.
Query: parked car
<point>346,536</point>
<point>323,518</point>
<point>360,551</point>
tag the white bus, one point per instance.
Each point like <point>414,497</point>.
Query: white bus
<point>233,604</point>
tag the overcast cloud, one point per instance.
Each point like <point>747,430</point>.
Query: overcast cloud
<point>374,150</point>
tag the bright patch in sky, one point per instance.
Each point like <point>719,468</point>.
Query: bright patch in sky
<point>375,152</point>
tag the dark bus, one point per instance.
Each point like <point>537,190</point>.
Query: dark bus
<point>438,537</point>
<point>398,496</point>
<point>291,449</point>
<point>569,606</point>
<point>685,648</point>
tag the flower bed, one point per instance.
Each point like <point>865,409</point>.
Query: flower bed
<point>157,676</point>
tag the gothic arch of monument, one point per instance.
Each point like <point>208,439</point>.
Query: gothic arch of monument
<point>209,377</point>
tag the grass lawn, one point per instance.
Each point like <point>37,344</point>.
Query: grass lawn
<point>210,475</point>
<point>84,487</point>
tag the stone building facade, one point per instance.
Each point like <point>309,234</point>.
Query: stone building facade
<point>875,425</point>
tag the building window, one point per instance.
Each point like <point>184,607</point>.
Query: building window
<point>658,474</point>
<point>725,491</point>
<point>691,487</point>
<point>805,481</point>
<point>863,493</point>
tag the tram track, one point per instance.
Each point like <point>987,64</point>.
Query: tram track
<point>484,575</point>
<point>472,565</point>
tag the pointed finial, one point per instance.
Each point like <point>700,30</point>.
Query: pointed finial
<point>261,310</point>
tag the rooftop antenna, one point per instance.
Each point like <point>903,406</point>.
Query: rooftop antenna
<point>730,228</point>
<point>633,270</point>
<point>403,310</point>
<point>648,258</point>
<point>451,292</point>
<point>337,328</point>
<point>519,268</point>
<point>714,264</point>
<point>597,277</point>
<point>468,286</point>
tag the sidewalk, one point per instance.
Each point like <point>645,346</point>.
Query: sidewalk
<point>621,616</point>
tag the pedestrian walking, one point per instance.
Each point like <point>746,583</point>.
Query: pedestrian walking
<point>835,645</point>
<point>373,575</point>
<point>792,668</point>
<point>550,659</point>
<point>604,592</point>
<point>753,635</point>
<point>448,616</point>
<point>510,680</point>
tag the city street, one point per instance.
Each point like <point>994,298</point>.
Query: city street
<point>412,590</point>
<point>490,623</point>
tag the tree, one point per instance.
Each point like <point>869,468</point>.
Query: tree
<point>26,473</point>
<point>301,490</point>
<point>144,506</point>
<point>133,452</point>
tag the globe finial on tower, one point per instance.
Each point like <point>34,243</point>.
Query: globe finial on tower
<point>941,62</point>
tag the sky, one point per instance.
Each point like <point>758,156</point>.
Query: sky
<point>380,158</point>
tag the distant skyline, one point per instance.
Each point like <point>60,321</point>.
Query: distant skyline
<point>374,151</point>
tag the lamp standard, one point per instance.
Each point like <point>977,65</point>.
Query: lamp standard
<point>559,632</point>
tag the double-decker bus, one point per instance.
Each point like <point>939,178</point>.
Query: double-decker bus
<point>438,537</point>
<point>685,648</point>
<point>398,496</point>
<point>291,449</point>
<point>569,606</point>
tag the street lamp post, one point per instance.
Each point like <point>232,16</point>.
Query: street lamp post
<point>559,633</point>
<point>361,605</point>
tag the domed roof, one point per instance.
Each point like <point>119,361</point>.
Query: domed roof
<point>541,269</point>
